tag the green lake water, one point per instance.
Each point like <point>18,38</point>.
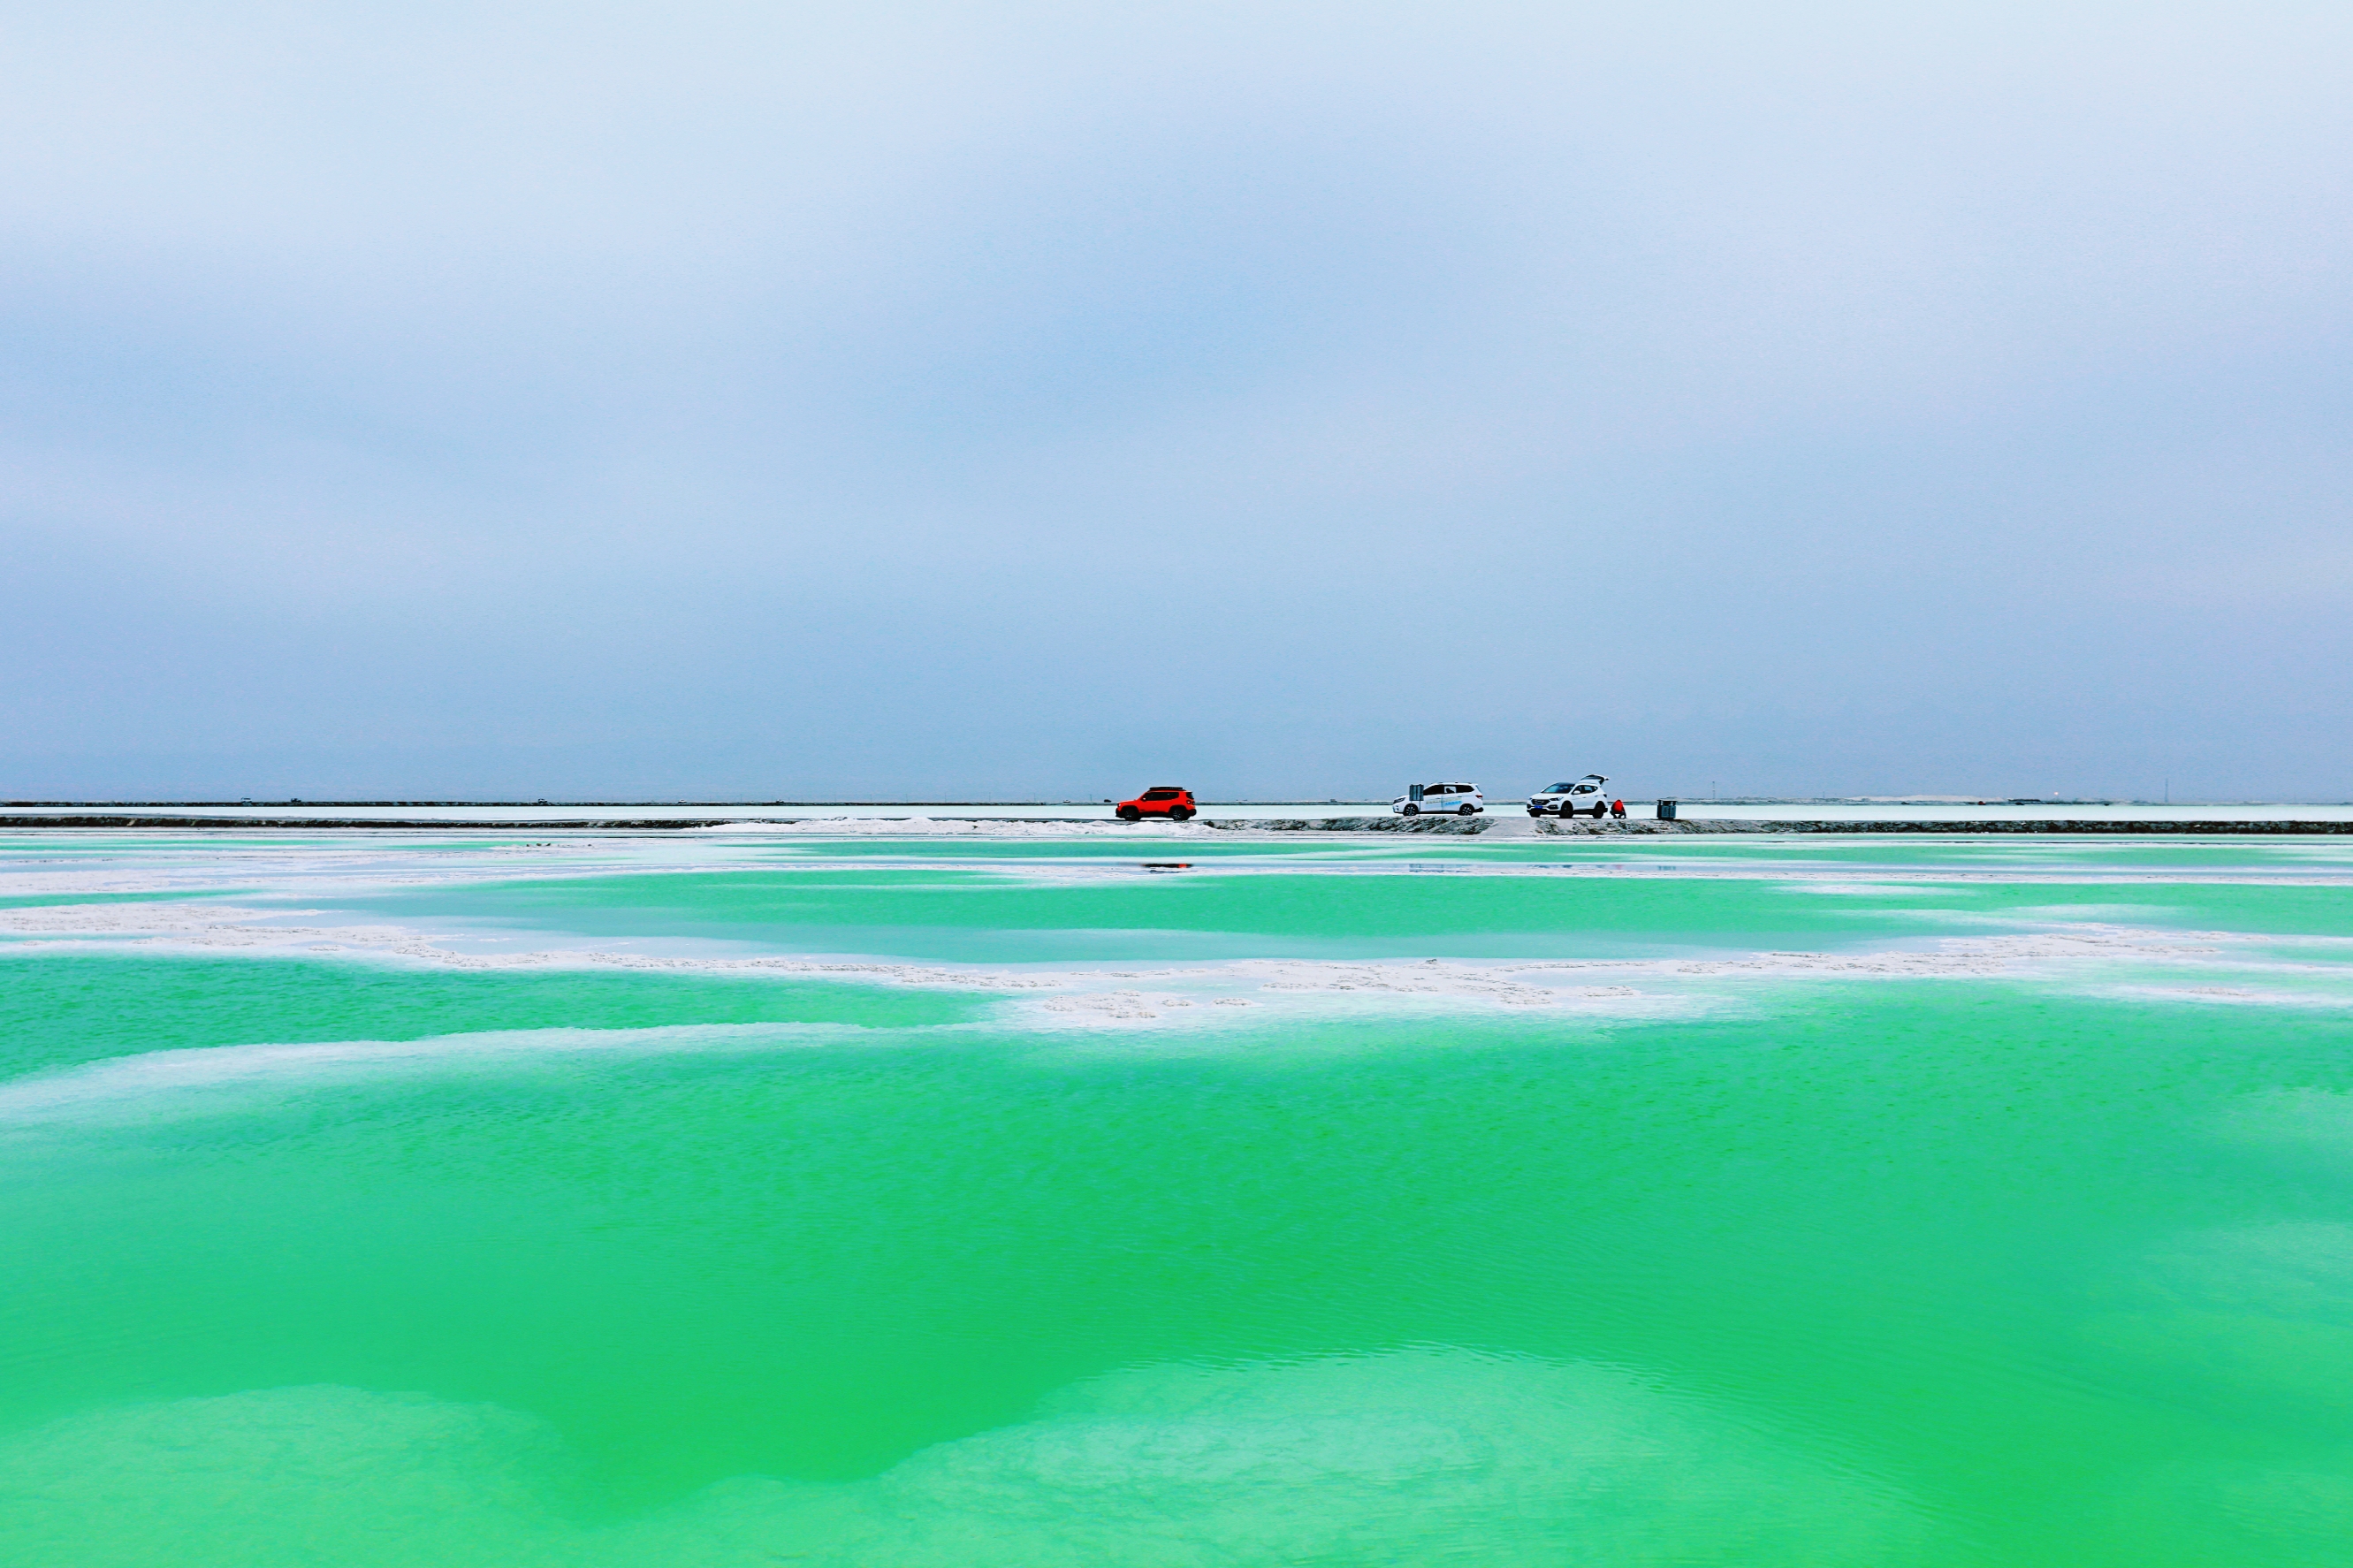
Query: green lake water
<point>385,1201</point>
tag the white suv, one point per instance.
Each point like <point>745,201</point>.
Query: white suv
<point>1460,799</point>
<point>1571,799</point>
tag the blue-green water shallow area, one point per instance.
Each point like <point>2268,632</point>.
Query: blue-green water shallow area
<point>378,1199</point>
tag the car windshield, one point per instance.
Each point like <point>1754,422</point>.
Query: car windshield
<point>1554,789</point>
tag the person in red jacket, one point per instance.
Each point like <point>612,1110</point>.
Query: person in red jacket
<point>1617,808</point>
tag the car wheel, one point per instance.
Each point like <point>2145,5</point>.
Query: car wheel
<point>1129,814</point>
<point>1181,813</point>
<point>1464,810</point>
<point>1536,811</point>
<point>1411,811</point>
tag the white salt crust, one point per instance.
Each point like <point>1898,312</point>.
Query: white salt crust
<point>1131,993</point>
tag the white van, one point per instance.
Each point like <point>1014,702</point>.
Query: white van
<point>1572,799</point>
<point>1459,799</point>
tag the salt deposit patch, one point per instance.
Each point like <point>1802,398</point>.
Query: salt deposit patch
<point>1407,1458</point>
<point>1160,994</point>
<point>159,1086</point>
<point>281,1476</point>
<point>2332,994</point>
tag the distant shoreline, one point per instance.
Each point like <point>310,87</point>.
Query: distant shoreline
<point>1935,802</point>
<point>1455,826</point>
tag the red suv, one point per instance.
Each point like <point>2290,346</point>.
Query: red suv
<point>1161,800</point>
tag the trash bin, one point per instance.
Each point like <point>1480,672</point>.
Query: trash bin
<point>1666,811</point>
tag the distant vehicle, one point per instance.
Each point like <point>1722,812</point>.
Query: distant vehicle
<point>1458,799</point>
<point>1171,801</point>
<point>1584,797</point>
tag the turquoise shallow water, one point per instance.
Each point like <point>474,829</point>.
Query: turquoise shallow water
<point>737,1200</point>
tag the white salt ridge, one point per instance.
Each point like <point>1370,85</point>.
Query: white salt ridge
<point>369,864</point>
<point>174,1085</point>
<point>1098,994</point>
<point>2227,995</point>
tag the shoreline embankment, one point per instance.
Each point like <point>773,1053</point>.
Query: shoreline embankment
<point>1497,825</point>
<point>507,825</point>
<point>1645,826</point>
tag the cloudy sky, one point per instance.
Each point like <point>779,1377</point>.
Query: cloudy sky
<point>959,401</point>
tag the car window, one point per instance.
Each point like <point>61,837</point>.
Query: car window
<point>1161,793</point>
<point>1584,789</point>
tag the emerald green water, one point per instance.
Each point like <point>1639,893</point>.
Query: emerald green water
<point>738,1202</point>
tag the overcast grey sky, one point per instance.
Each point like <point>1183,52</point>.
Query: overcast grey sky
<point>966,401</point>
